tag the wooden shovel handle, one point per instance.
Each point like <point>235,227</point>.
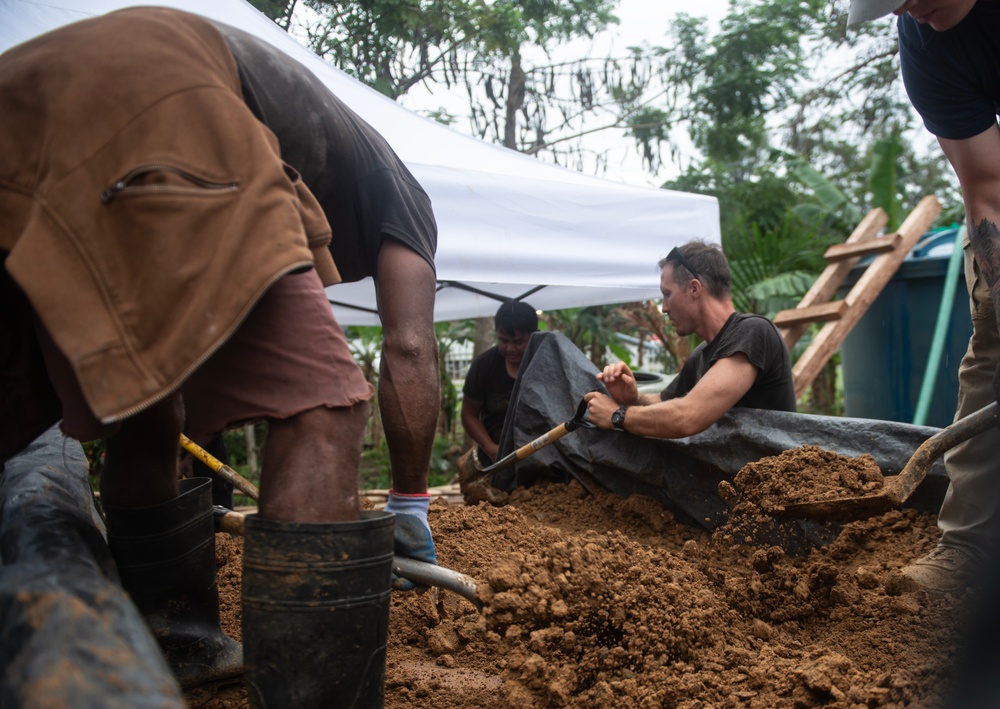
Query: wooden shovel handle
<point>230,475</point>
<point>545,439</point>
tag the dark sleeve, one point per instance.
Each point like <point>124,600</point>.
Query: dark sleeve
<point>754,337</point>
<point>758,339</point>
<point>943,81</point>
<point>476,380</point>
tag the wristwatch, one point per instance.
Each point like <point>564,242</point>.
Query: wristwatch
<point>618,418</point>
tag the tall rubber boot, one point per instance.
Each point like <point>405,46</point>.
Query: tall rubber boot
<point>316,612</point>
<point>166,559</point>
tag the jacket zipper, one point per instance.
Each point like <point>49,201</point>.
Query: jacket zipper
<point>123,184</point>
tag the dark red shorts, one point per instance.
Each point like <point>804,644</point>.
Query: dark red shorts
<point>288,356</point>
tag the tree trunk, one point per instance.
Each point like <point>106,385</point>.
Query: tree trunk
<point>515,100</point>
<point>824,391</point>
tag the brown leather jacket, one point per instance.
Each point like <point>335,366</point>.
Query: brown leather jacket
<point>143,210</point>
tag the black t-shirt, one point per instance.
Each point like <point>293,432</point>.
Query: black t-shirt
<point>757,338</point>
<point>365,190</point>
<point>488,382</point>
<point>953,77</point>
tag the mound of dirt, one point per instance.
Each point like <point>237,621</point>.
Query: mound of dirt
<point>598,601</point>
<point>808,473</point>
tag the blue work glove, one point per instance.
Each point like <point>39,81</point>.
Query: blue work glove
<point>412,531</point>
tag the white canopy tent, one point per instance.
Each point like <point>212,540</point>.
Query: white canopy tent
<point>509,225</point>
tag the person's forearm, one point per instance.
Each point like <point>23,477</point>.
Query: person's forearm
<point>477,432</point>
<point>647,399</point>
<point>662,419</point>
<point>984,237</point>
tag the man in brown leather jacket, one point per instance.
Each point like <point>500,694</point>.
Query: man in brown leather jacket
<point>163,271</point>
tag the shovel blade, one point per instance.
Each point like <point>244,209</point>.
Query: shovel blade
<point>844,509</point>
<point>897,489</point>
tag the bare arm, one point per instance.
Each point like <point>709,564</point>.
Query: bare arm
<point>717,392</point>
<point>976,161</point>
<point>475,428</point>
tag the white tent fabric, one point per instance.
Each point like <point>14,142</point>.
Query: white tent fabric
<point>509,225</point>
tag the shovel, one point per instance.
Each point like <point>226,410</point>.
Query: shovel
<point>897,489</point>
<point>223,470</point>
<point>579,420</point>
<point>419,572</point>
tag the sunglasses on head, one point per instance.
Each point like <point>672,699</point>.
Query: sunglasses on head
<point>675,254</point>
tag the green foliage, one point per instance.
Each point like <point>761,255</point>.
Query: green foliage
<point>277,10</point>
<point>620,351</point>
<point>94,451</point>
<point>773,269</point>
<point>884,177</point>
<point>593,329</point>
<point>449,335</point>
<point>830,203</point>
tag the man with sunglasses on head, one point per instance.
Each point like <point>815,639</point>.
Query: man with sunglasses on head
<point>742,362</point>
<point>949,52</point>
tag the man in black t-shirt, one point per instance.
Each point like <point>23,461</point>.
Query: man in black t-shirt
<point>743,360</point>
<point>490,381</point>
<point>949,53</point>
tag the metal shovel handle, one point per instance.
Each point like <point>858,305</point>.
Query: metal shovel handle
<point>419,572</point>
<point>428,574</point>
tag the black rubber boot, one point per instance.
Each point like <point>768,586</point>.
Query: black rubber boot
<point>166,559</point>
<point>316,612</point>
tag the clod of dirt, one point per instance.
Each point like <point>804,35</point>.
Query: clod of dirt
<point>808,474</point>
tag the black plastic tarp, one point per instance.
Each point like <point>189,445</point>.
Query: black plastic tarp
<point>683,474</point>
<point>69,635</point>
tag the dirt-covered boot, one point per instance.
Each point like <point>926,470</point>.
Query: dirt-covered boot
<point>316,612</point>
<point>166,559</point>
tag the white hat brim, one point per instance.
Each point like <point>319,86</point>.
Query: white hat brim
<point>865,10</point>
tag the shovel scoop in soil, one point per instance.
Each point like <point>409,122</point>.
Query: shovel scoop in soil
<point>474,484</point>
<point>897,489</point>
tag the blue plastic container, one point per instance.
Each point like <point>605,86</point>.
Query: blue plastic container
<point>885,355</point>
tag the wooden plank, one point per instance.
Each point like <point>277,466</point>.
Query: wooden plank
<point>834,274</point>
<point>839,252</point>
<point>824,312</point>
<point>863,294</point>
<point>451,493</point>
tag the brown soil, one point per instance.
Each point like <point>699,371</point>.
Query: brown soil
<point>600,601</point>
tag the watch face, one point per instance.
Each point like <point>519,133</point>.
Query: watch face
<point>618,418</point>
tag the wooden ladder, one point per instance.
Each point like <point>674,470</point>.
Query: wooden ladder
<point>841,316</point>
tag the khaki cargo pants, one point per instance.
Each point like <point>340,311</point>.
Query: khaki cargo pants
<point>970,514</point>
